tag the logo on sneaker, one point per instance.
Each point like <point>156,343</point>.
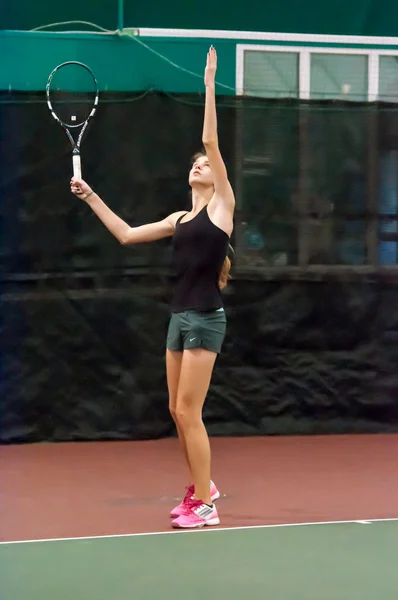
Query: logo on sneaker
<point>192,339</point>
<point>203,511</point>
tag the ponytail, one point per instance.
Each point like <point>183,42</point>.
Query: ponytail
<point>224,275</point>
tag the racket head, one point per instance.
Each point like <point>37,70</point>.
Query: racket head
<point>72,93</point>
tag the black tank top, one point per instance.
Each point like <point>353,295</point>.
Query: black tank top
<point>199,251</point>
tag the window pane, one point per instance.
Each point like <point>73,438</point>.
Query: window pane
<point>388,198</point>
<point>269,172</point>
<point>267,224</point>
<point>388,78</point>
<point>304,183</point>
<point>339,76</point>
<point>271,74</point>
<point>336,150</point>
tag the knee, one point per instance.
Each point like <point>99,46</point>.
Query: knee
<point>173,411</point>
<point>181,416</point>
<point>186,417</point>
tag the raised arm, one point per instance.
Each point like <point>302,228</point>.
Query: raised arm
<point>120,229</point>
<point>222,185</point>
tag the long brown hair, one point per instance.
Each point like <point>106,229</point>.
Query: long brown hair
<point>224,275</point>
<point>226,267</point>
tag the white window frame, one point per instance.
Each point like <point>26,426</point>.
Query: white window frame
<point>304,58</point>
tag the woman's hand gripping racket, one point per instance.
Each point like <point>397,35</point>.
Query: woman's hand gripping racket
<point>72,97</point>
<point>80,188</point>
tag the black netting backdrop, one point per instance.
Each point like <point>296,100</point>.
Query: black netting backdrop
<point>312,343</point>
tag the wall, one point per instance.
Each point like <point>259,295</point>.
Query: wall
<point>166,63</point>
<point>120,63</point>
<point>308,16</point>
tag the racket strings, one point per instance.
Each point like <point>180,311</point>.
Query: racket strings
<point>72,94</point>
<point>72,108</point>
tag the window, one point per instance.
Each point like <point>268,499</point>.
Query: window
<point>388,198</point>
<point>336,185</point>
<point>388,78</point>
<point>312,72</point>
<point>339,76</point>
<point>268,177</point>
<point>318,182</point>
<point>271,74</point>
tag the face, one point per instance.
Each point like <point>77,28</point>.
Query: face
<point>200,173</point>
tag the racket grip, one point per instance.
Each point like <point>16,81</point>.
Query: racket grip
<point>77,167</point>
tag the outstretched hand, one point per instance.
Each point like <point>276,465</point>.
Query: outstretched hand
<point>211,67</point>
<point>80,188</point>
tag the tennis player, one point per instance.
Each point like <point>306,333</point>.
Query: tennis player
<point>198,323</point>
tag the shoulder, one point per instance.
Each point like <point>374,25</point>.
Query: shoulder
<point>174,217</point>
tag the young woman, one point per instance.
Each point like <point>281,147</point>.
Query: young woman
<point>197,324</point>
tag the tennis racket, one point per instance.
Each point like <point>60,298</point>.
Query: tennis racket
<point>72,97</point>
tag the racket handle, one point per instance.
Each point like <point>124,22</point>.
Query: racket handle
<point>77,167</point>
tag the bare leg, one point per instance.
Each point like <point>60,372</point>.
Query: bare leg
<point>195,375</point>
<point>173,368</point>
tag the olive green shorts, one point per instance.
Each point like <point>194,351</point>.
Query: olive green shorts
<point>192,329</point>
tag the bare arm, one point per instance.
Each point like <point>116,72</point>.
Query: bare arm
<point>222,185</point>
<point>125,234</point>
<point>131,235</point>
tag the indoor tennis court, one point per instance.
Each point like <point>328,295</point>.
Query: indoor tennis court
<point>302,410</point>
<point>315,517</point>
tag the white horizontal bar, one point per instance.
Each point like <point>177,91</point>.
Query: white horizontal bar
<point>266,36</point>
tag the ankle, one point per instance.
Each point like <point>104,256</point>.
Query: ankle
<point>205,500</point>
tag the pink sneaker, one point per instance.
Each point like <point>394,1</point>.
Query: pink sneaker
<point>181,508</point>
<point>197,514</point>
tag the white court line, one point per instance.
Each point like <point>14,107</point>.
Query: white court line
<point>179,531</point>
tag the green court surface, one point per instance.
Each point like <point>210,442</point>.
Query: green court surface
<point>336,561</point>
